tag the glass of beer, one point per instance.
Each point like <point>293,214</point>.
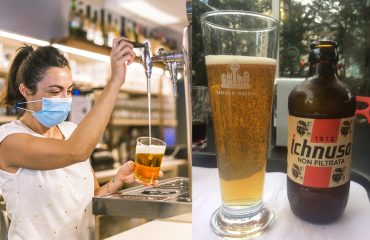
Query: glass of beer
<point>148,159</point>
<point>240,54</point>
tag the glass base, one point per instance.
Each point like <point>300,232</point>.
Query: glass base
<point>242,223</point>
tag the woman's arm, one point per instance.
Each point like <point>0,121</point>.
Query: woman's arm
<point>22,150</point>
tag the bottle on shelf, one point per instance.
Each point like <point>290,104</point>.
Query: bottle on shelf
<point>98,33</point>
<point>134,31</point>
<point>116,28</point>
<point>140,33</point>
<point>162,40</point>
<point>127,29</point>
<point>103,26</point>
<point>80,15</point>
<point>89,24</point>
<point>155,41</point>
<point>173,44</point>
<point>123,27</point>
<point>132,143</point>
<point>130,31</point>
<point>123,152</point>
<point>73,19</point>
<point>111,33</point>
<point>145,33</point>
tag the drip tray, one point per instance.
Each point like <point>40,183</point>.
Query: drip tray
<point>170,198</point>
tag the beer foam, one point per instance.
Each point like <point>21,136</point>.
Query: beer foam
<point>153,149</point>
<point>227,59</point>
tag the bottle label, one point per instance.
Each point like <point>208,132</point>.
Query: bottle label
<point>319,151</point>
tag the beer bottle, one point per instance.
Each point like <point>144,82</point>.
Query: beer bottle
<point>320,130</point>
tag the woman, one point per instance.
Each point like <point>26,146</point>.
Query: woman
<point>45,175</point>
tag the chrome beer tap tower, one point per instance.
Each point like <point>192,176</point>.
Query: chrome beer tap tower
<point>173,60</point>
<point>173,196</point>
<point>176,61</point>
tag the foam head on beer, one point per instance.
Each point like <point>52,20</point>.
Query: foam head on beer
<point>232,59</point>
<point>151,149</point>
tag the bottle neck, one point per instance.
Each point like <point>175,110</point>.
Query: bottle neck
<point>323,69</point>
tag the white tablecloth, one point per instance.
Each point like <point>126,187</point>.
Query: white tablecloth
<point>157,229</point>
<point>353,225</point>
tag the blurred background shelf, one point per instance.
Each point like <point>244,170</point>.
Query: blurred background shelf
<point>142,122</point>
<point>6,119</point>
<point>115,122</point>
<point>82,44</point>
<point>3,72</point>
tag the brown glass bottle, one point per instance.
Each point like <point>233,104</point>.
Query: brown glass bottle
<point>319,167</point>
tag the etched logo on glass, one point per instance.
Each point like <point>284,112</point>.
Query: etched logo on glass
<point>234,79</point>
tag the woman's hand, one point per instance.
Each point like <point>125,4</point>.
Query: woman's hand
<point>126,174</point>
<point>122,54</point>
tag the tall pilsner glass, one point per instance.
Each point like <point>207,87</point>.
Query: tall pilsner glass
<point>240,53</point>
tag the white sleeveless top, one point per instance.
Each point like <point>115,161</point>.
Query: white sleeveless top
<point>48,204</point>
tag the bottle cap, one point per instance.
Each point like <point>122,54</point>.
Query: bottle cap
<point>323,51</point>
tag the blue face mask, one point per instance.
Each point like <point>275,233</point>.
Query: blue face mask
<point>53,112</point>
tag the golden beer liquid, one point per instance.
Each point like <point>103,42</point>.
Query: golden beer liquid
<point>147,167</point>
<point>241,93</point>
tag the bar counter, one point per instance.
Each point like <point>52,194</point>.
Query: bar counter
<point>354,224</point>
<point>179,228</point>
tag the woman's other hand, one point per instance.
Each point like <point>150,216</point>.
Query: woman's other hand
<point>126,174</point>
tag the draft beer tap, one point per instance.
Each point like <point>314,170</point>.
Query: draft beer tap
<point>175,61</point>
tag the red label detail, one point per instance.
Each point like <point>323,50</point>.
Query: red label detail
<point>325,130</point>
<point>318,177</point>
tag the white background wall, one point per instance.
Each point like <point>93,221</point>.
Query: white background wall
<point>44,19</point>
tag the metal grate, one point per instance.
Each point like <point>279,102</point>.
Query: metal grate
<point>175,185</point>
<point>142,197</point>
<point>171,198</point>
<point>171,190</point>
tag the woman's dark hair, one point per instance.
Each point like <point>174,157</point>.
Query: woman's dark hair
<point>28,67</point>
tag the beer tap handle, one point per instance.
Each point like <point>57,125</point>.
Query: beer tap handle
<point>137,44</point>
<point>147,63</point>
